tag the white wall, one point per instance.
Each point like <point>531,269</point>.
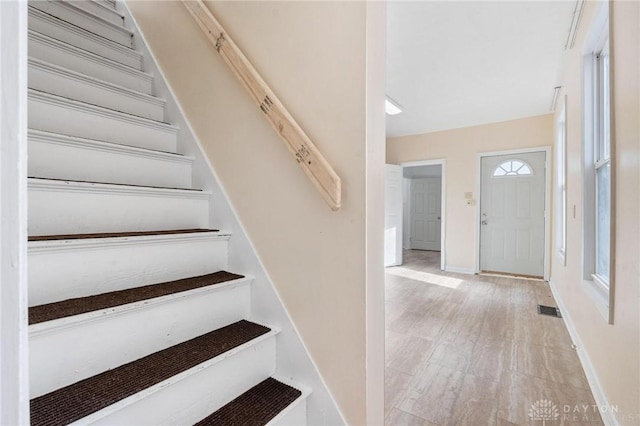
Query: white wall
<point>14,382</point>
<point>433,170</point>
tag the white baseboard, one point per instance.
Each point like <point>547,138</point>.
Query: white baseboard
<point>458,270</point>
<point>608,416</point>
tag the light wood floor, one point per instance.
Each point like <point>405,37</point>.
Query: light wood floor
<point>472,350</point>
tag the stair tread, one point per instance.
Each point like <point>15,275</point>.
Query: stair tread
<point>117,234</point>
<point>98,18</point>
<point>115,184</point>
<point>33,34</point>
<point>111,9</point>
<point>87,105</point>
<point>34,61</point>
<point>67,308</point>
<point>75,28</point>
<point>88,396</point>
<point>45,133</point>
<point>255,407</point>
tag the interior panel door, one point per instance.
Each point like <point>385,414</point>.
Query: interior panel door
<point>426,207</point>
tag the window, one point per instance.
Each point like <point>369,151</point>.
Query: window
<point>561,181</point>
<point>512,168</point>
<point>598,167</point>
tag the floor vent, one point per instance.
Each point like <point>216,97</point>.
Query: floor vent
<point>549,310</point>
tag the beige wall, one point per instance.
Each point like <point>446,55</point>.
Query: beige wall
<point>375,193</point>
<point>613,350</point>
<point>460,148</point>
<point>313,55</point>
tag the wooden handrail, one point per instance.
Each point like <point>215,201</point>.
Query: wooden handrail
<point>306,154</point>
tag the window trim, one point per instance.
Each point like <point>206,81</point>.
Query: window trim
<point>597,41</point>
<point>561,181</point>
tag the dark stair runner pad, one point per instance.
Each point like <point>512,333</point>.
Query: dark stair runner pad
<point>117,234</point>
<point>85,397</point>
<point>255,407</point>
<point>67,308</point>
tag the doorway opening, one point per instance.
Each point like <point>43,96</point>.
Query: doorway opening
<point>416,207</point>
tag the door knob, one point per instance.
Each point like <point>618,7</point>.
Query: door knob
<point>438,217</point>
<point>484,222</point>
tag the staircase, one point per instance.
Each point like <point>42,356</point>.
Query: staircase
<point>134,319</point>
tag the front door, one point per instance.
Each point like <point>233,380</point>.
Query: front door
<point>512,209</point>
<point>425,213</point>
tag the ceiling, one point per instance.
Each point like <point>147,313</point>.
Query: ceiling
<point>456,64</point>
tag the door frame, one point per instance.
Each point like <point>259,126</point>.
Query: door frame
<point>14,354</point>
<point>443,203</point>
<point>547,199</point>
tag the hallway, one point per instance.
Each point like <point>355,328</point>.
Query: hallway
<point>472,350</point>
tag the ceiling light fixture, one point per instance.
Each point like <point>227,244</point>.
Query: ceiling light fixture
<point>575,22</point>
<point>391,107</point>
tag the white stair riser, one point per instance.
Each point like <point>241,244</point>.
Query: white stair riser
<point>111,3</point>
<point>60,357</point>
<point>59,116</point>
<point>77,270</point>
<point>75,36</point>
<point>52,79</point>
<point>102,11</point>
<point>85,20</point>
<point>296,416</point>
<point>98,163</point>
<point>198,395</point>
<point>58,210</point>
<point>76,60</point>
<point>108,3</point>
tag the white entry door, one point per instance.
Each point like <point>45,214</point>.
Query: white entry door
<point>425,213</point>
<point>512,208</point>
<point>393,216</point>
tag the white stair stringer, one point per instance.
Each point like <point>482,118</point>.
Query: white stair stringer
<point>58,29</point>
<point>65,55</point>
<point>84,19</point>
<point>68,207</point>
<point>115,336</point>
<point>56,156</point>
<point>192,395</point>
<point>57,114</point>
<point>296,412</point>
<point>50,78</point>
<point>98,9</point>
<point>65,269</point>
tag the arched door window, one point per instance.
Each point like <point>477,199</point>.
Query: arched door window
<point>512,168</point>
